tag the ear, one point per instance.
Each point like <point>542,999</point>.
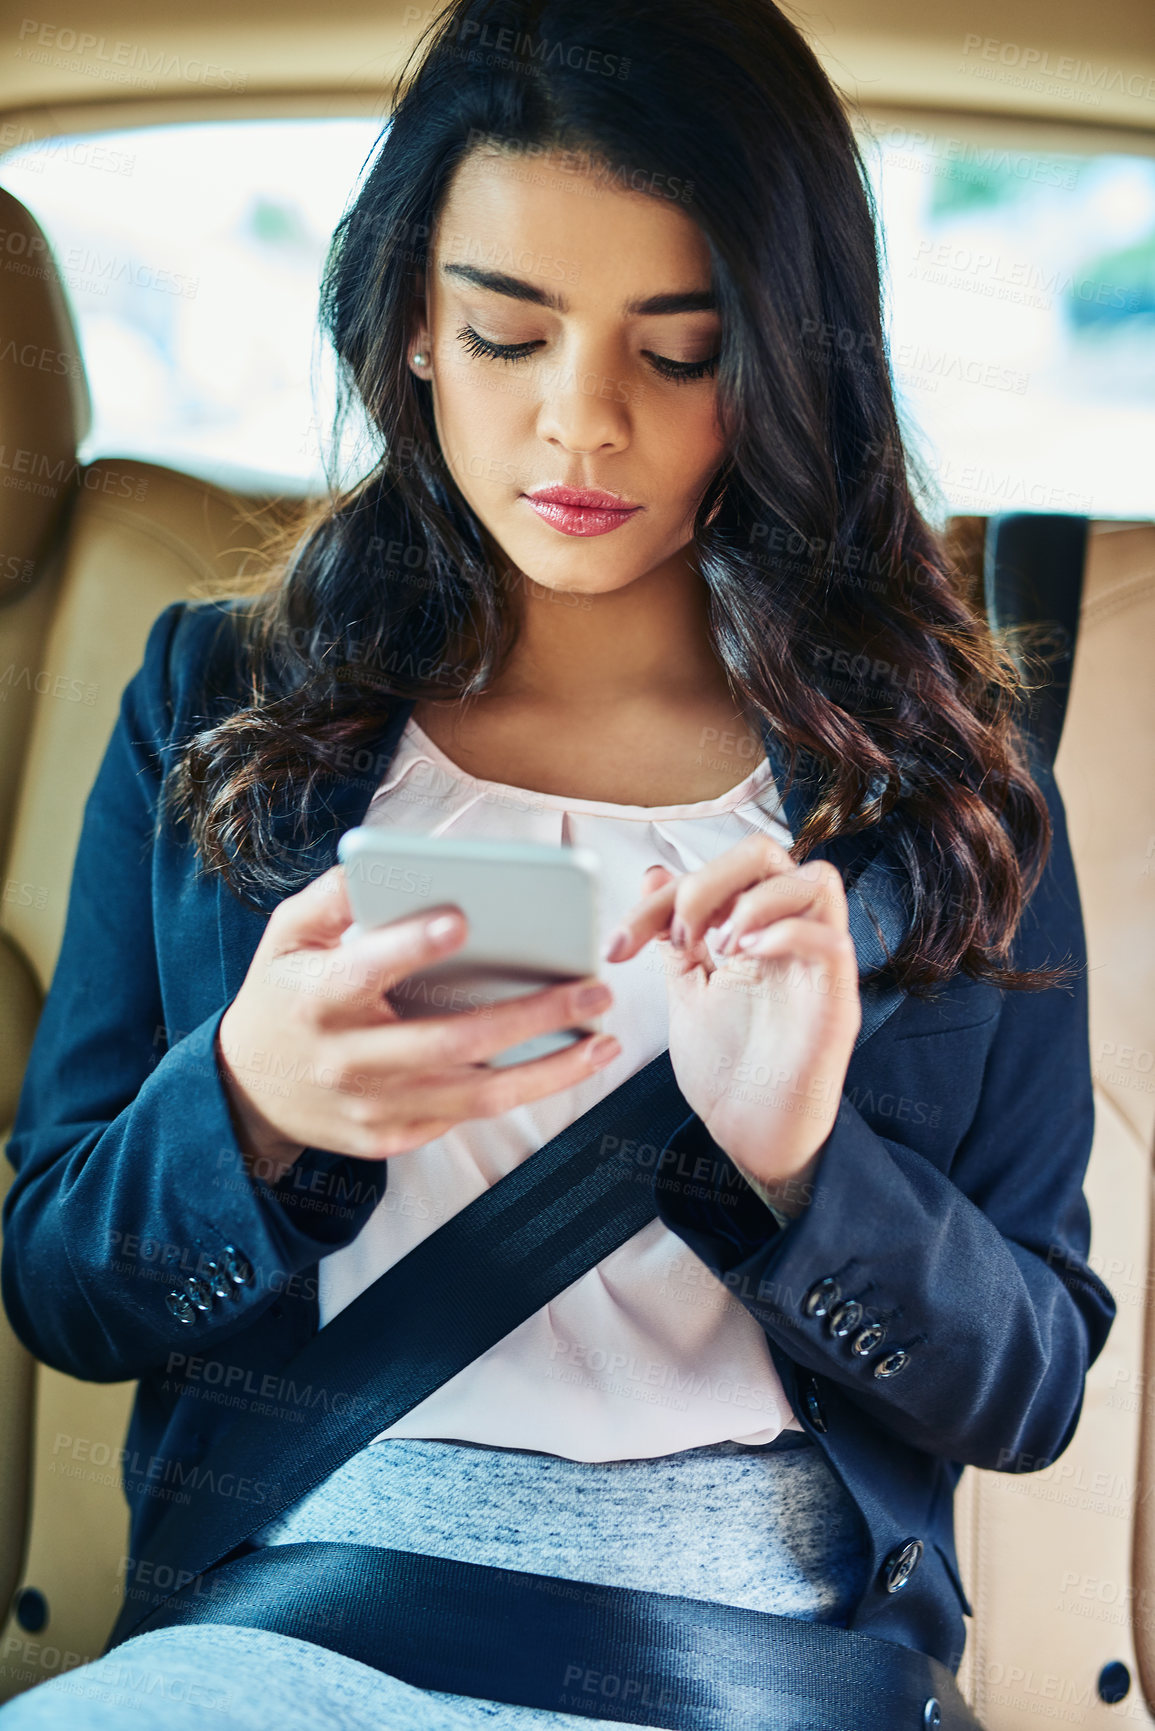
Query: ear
<point>418,342</point>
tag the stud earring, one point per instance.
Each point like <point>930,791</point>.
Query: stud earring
<point>419,360</point>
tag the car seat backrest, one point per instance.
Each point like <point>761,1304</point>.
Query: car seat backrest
<point>1060,1562</point>
<point>89,555</point>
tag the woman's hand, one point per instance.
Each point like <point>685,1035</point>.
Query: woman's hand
<point>761,1043</point>
<point>313,1054</point>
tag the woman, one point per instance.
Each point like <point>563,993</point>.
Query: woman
<point>638,568</point>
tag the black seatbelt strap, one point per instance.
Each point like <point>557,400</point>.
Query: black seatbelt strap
<point>576,1647</point>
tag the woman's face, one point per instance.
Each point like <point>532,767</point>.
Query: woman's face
<point>600,393</point>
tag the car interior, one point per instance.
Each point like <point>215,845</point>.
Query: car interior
<point>1058,1562</point>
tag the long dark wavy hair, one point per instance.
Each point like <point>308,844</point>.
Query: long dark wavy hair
<point>833,605</point>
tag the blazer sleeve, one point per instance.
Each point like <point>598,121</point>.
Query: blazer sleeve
<point>130,1180</point>
<point>978,1273</point>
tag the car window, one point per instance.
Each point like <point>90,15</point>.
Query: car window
<point>1021,320</point>
<point>1020,303</point>
<point>192,256</point>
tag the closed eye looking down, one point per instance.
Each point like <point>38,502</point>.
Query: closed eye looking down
<point>669,369</point>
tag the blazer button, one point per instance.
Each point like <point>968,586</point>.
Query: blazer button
<point>238,1269</point>
<point>200,1292</point>
<point>181,1306</point>
<point>813,1405</point>
<point>821,1296</point>
<point>932,1714</point>
<point>892,1363</point>
<point>844,1318</point>
<point>901,1564</point>
<point>219,1283</point>
<point>867,1339</point>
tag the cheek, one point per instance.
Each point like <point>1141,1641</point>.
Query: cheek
<point>684,444</point>
<point>681,423</point>
<point>481,423</point>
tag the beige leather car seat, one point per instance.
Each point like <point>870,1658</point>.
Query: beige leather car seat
<point>88,557</point>
<point>1060,1564</point>
<point>1056,1562</point>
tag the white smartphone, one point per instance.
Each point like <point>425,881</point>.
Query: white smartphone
<point>532,912</point>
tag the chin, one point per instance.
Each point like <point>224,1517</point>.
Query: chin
<point>577,564</point>
<point>580,579</point>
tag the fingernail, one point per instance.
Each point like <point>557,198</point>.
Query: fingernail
<point>603,1049</point>
<point>679,936</point>
<point>593,997</point>
<point>616,945</point>
<point>441,929</point>
<point>759,943</point>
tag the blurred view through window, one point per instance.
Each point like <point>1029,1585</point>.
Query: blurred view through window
<point>1021,299</point>
<point>192,257</point>
<point>1020,303</point>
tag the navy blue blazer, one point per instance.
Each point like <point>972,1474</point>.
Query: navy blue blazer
<point>948,1203</point>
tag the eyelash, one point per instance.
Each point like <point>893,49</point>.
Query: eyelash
<point>675,370</point>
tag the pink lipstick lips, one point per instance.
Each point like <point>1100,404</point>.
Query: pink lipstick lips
<point>581,510</point>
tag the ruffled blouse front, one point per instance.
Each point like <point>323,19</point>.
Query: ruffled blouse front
<point>648,1353</point>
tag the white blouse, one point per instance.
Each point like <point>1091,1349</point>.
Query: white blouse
<point>648,1353</point>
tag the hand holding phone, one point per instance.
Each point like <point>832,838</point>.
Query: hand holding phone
<point>312,1053</point>
<point>532,912</point>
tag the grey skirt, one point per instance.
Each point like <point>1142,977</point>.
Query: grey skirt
<point>771,1528</point>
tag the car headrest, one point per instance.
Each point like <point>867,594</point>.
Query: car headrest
<point>45,409</point>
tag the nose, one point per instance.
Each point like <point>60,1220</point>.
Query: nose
<point>585,402</point>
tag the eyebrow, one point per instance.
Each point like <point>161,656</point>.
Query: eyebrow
<point>519,289</point>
